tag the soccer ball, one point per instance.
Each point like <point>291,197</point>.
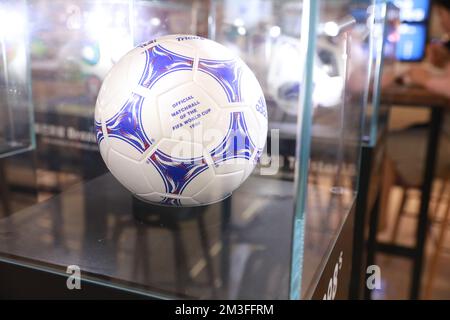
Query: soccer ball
<point>181,121</point>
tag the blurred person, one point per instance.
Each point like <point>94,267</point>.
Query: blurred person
<point>438,55</point>
<point>407,147</point>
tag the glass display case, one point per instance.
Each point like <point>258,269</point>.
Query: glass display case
<point>16,124</point>
<point>380,51</point>
<point>381,71</point>
<point>328,171</point>
<point>275,237</point>
<point>73,44</point>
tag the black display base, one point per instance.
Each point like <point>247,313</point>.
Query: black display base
<point>151,214</point>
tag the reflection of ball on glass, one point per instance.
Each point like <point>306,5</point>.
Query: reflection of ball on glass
<point>181,121</point>
<point>284,79</point>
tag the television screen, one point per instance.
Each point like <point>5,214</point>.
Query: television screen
<point>413,10</point>
<point>412,42</point>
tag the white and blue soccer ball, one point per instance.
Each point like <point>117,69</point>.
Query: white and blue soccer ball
<point>181,121</point>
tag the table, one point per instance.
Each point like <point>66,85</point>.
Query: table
<point>412,96</point>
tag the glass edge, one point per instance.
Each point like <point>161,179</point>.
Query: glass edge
<point>377,81</point>
<point>310,17</point>
<point>29,86</point>
<point>34,265</point>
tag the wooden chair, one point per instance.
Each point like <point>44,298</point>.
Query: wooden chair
<point>438,240</point>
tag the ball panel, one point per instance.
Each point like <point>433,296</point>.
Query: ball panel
<point>217,132</point>
<point>208,49</point>
<point>158,63</point>
<point>188,202</point>
<point>177,48</point>
<point>97,112</point>
<point>124,148</point>
<point>179,149</point>
<point>259,109</point>
<point>98,127</point>
<point>253,96</point>
<point>198,183</point>
<point>250,89</point>
<point>212,87</point>
<point>152,175</point>
<point>115,107</point>
<point>180,166</point>
<point>219,188</point>
<point>187,112</point>
<point>117,86</point>
<point>149,197</point>
<point>104,149</point>
<point>125,129</point>
<point>256,134</point>
<point>167,200</point>
<point>227,74</point>
<point>171,81</point>
<point>238,144</point>
<point>139,65</point>
<point>251,165</point>
<point>232,165</point>
<point>128,172</point>
<point>150,121</point>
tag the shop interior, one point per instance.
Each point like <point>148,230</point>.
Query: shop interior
<point>353,180</point>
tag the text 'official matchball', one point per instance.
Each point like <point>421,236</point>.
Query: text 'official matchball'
<point>181,121</point>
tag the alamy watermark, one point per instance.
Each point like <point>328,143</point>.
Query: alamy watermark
<point>373,281</point>
<point>74,278</point>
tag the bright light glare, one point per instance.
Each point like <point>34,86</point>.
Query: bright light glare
<point>12,23</point>
<point>120,18</point>
<point>238,22</point>
<point>331,29</point>
<point>241,31</point>
<point>275,31</point>
<point>89,53</point>
<point>97,23</point>
<point>155,21</point>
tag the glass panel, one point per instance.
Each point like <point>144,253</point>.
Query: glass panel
<point>266,35</point>
<point>157,18</point>
<point>382,58</point>
<point>375,59</point>
<point>335,94</point>
<point>73,46</point>
<point>16,130</point>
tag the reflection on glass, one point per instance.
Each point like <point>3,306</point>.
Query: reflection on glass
<point>152,19</point>
<point>412,42</point>
<point>16,133</point>
<point>342,36</point>
<point>413,10</point>
<point>381,73</point>
<point>73,46</point>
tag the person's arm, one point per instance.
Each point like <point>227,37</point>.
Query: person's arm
<point>437,54</point>
<point>439,84</point>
